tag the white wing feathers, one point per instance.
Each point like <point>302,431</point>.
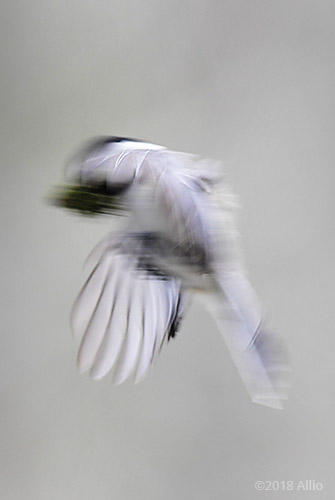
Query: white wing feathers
<point>133,340</point>
<point>122,316</point>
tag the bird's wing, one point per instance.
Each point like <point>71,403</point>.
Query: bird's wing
<point>256,350</point>
<point>123,314</point>
<point>108,163</point>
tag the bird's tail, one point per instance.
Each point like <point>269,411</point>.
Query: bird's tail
<point>256,350</point>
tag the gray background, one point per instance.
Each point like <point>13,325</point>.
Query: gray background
<point>249,82</point>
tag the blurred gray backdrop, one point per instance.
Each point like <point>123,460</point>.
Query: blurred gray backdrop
<point>249,82</point>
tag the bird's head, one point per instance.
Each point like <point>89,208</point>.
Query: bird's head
<point>98,178</point>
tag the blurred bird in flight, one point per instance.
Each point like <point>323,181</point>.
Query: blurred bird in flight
<point>179,240</point>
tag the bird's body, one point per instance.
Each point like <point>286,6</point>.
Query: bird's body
<point>180,240</point>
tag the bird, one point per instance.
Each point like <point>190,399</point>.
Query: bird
<point>179,241</point>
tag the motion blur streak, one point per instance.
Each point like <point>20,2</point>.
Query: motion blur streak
<point>179,240</point>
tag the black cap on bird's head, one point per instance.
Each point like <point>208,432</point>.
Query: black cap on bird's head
<point>120,143</point>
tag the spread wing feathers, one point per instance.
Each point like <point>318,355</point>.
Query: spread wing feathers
<point>256,351</point>
<point>123,315</point>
